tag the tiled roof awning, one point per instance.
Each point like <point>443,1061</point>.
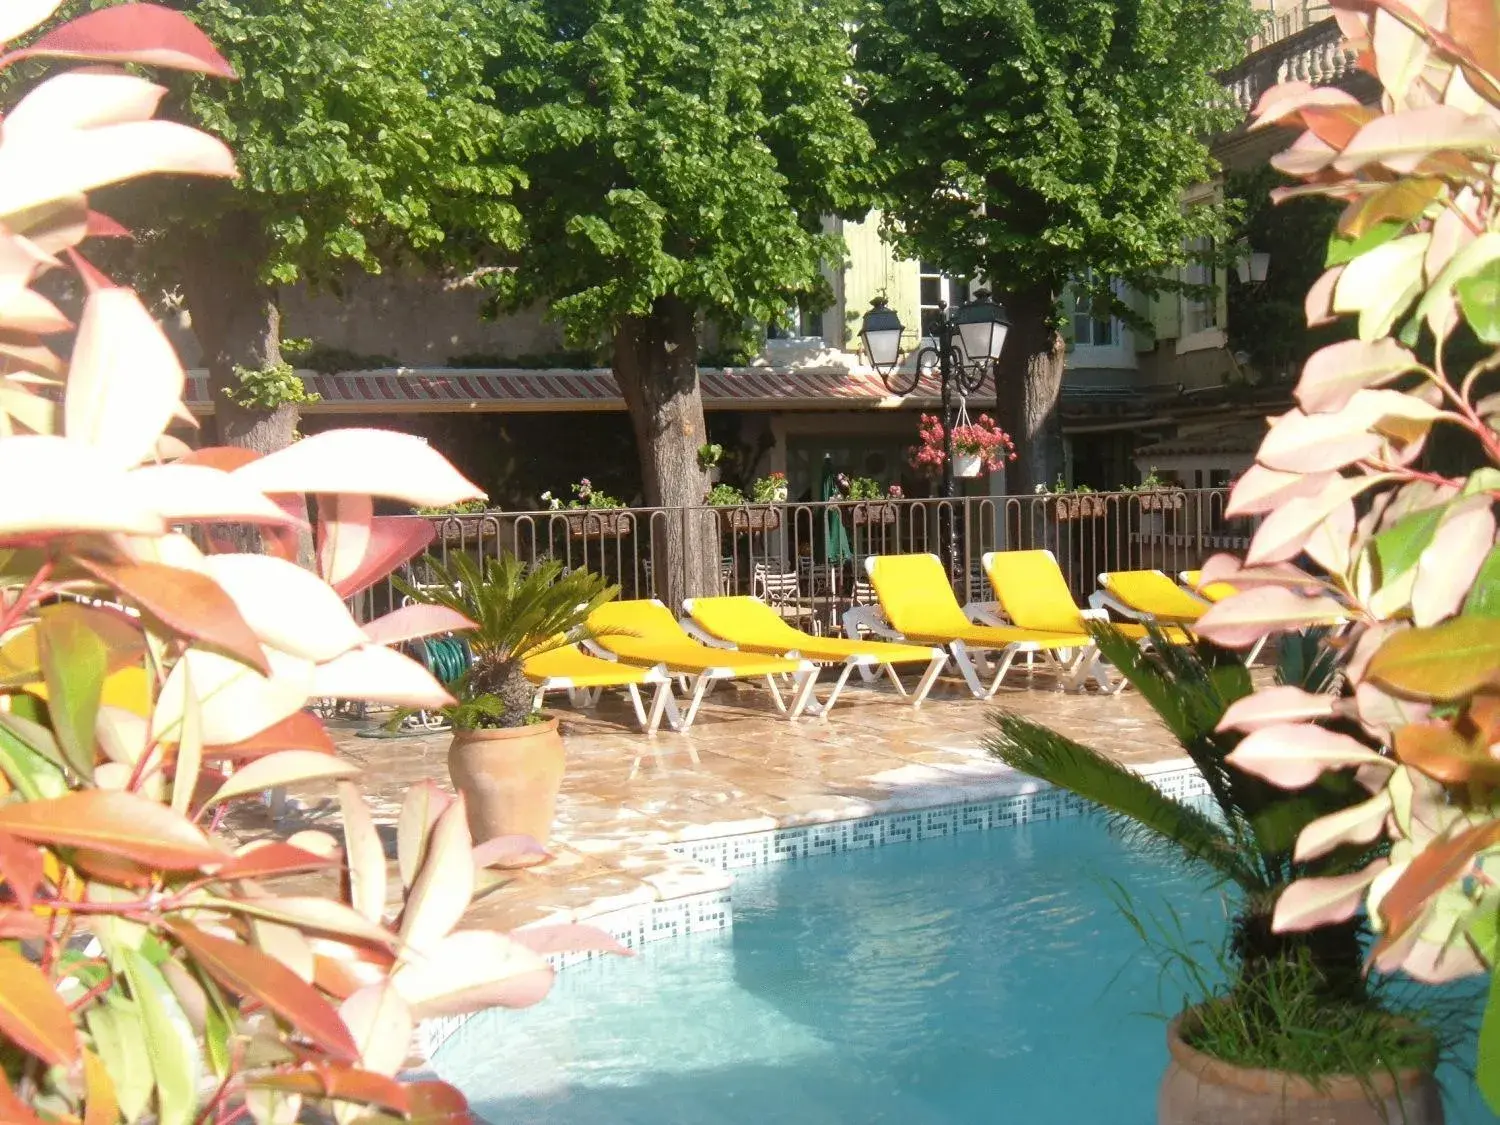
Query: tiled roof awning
<point>1238,437</point>
<point>411,390</point>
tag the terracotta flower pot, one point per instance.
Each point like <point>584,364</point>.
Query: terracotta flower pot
<point>1200,1090</point>
<point>509,779</point>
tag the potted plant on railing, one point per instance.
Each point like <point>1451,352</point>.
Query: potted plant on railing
<point>457,522</point>
<point>605,518</point>
<point>873,506</point>
<point>1079,502</point>
<point>506,757</point>
<point>1156,495</point>
<point>978,446</point>
<point>1296,1031</point>
<point>758,511</point>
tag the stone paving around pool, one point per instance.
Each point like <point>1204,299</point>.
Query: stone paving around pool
<point>631,806</point>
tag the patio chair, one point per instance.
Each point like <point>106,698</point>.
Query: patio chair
<point>1147,595</point>
<point>584,677</point>
<point>918,605</point>
<point>752,626</point>
<point>782,591</point>
<point>1033,593</point>
<point>645,632</point>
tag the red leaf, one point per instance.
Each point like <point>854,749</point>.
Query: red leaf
<point>23,926</point>
<point>1336,124</point>
<point>32,1014</point>
<point>302,731</point>
<point>270,860</point>
<point>225,458</point>
<point>1440,864</point>
<point>393,541</point>
<point>437,1103</point>
<point>133,33</point>
<point>568,937</point>
<point>20,868</point>
<point>101,225</point>
<point>255,975</point>
<point>188,603</point>
<point>105,868</point>
<point>341,1082</point>
<point>122,824</point>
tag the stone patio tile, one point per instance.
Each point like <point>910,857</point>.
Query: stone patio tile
<point>626,798</point>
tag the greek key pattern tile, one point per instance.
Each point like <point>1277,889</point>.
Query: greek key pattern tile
<point>757,849</point>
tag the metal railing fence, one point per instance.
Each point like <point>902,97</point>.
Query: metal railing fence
<point>806,558</point>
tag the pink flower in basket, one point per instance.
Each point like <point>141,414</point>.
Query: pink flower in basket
<point>980,438</point>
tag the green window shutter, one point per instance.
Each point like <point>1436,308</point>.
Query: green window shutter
<point>1166,318</point>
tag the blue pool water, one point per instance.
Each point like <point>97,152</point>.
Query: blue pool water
<point>986,978</point>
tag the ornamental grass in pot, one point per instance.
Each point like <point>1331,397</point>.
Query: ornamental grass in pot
<point>1285,1027</point>
<point>506,757</point>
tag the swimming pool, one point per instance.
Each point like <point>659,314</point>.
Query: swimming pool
<point>986,977</point>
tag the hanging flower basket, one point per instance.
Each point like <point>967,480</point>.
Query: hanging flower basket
<point>1163,500</point>
<point>874,513</point>
<point>979,446</point>
<point>599,525</point>
<point>1079,507</point>
<point>755,518</point>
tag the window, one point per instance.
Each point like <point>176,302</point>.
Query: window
<point>937,289</point>
<point>1092,331</point>
<point>1199,313</point>
<point>796,324</point>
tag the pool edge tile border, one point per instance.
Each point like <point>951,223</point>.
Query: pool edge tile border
<point>712,911</point>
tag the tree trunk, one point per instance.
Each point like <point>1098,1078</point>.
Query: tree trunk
<point>238,324</point>
<point>1028,388</point>
<point>237,321</point>
<point>656,366</point>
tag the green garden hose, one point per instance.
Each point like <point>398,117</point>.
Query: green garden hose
<point>447,658</point>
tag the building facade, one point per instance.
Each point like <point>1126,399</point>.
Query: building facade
<point>507,400</point>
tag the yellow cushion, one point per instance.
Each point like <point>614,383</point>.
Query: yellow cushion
<point>1154,594</point>
<point>1032,590</point>
<point>750,624</point>
<point>650,635</point>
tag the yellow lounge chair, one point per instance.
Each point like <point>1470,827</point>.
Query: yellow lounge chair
<point>583,676</point>
<point>1033,593</point>
<point>752,626</point>
<point>1192,581</point>
<point>919,606</point>
<point>1147,595</point>
<point>645,632</point>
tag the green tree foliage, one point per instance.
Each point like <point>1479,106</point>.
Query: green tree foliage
<point>365,133</point>
<point>679,158</point>
<point>1268,321</point>
<point>1027,141</point>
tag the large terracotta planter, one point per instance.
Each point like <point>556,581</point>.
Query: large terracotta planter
<point>1200,1090</point>
<point>509,779</point>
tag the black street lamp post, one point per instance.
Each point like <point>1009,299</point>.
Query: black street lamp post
<point>967,340</point>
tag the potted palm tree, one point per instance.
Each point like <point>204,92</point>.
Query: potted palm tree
<point>1295,1023</point>
<point>506,757</point>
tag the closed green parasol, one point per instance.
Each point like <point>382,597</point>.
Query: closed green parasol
<point>836,548</point>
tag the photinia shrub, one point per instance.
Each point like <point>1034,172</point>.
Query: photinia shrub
<point>1404,553</point>
<point>150,679</point>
